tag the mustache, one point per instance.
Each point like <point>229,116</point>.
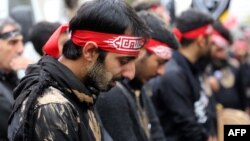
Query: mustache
<point>118,78</point>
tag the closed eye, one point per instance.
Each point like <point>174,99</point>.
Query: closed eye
<point>13,42</point>
<point>125,59</point>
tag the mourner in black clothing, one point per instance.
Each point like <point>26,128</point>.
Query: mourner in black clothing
<point>241,53</point>
<point>11,46</point>
<point>180,101</point>
<point>54,101</point>
<point>126,110</point>
<point>229,94</point>
<point>244,72</point>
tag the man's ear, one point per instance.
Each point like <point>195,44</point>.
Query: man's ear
<point>142,53</point>
<point>90,51</point>
<point>201,41</point>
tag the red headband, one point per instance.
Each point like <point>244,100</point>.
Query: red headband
<point>158,48</point>
<point>219,40</point>
<point>193,34</point>
<point>154,7</point>
<point>121,44</point>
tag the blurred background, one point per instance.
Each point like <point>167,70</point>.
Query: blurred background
<point>235,13</point>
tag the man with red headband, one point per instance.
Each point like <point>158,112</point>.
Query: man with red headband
<point>178,95</point>
<point>240,51</point>
<point>55,100</point>
<point>224,70</point>
<point>126,111</point>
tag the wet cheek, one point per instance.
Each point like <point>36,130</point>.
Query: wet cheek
<point>113,69</point>
<point>109,75</point>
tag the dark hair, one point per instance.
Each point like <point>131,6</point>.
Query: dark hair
<point>159,29</point>
<point>40,33</point>
<point>73,52</point>
<point>8,21</point>
<point>108,16</point>
<point>71,4</point>
<point>139,5</point>
<point>223,31</point>
<point>190,20</point>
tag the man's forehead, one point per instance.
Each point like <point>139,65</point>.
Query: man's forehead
<point>8,28</point>
<point>160,59</point>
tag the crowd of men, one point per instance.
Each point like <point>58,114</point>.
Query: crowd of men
<point>120,72</point>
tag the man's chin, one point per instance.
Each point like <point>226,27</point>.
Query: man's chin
<point>110,86</point>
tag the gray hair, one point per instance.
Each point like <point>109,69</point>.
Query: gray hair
<point>8,21</point>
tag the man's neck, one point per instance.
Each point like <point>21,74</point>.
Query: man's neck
<point>189,52</point>
<point>72,65</point>
<point>136,83</point>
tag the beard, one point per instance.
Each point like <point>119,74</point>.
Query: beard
<point>219,63</point>
<point>203,62</point>
<point>98,78</point>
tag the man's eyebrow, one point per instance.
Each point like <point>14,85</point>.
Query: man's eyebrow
<point>9,34</point>
<point>129,58</point>
<point>13,40</point>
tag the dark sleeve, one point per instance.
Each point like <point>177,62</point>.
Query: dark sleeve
<point>114,113</point>
<point>177,98</point>
<point>5,110</point>
<point>156,131</point>
<point>55,122</point>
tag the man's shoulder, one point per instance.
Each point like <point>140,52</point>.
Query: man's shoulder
<point>173,71</point>
<point>115,92</point>
<point>54,99</point>
<point>52,95</point>
<point>5,93</point>
<point>50,106</point>
<point>113,97</point>
<point>3,86</point>
<point>172,67</point>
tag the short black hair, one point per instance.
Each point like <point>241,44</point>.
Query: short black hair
<point>73,51</point>
<point>108,16</point>
<point>217,25</point>
<point>71,4</point>
<point>158,29</point>
<point>140,5</point>
<point>190,20</point>
<point>40,33</point>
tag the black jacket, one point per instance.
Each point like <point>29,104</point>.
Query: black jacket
<point>245,80</point>
<point>7,84</point>
<point>119,113</point>
<point>52,104</point>
<point>231,96</point>
<point>180,102</point>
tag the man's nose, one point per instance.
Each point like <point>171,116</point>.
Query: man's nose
<point>20,47</point>
<point>128,70</point>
